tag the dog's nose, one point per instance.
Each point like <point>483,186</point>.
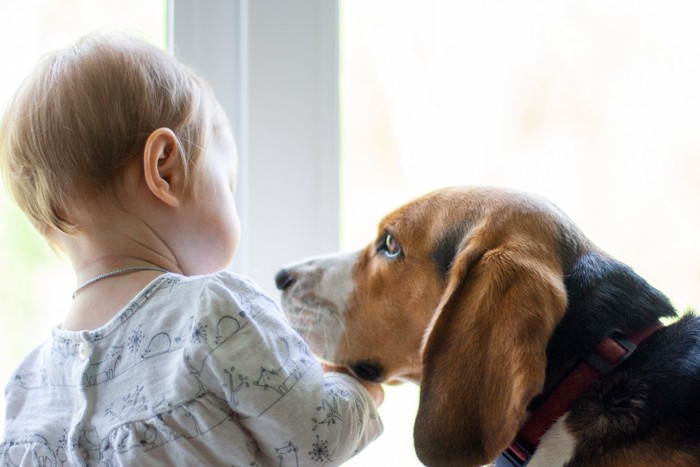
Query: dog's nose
<point>283,279</point>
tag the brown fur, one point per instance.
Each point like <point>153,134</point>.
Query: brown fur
<point>468,311</point>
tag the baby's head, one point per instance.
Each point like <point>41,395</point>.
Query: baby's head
<point>84,115</point>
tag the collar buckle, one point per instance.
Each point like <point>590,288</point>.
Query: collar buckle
<point>610,353</point>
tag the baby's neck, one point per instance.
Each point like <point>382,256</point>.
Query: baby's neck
<point>95,251</point>
<point>97,303</point>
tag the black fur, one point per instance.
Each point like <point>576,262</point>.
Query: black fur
<point>605,295</point>
<point>445,250</point>
<point>654,395</point>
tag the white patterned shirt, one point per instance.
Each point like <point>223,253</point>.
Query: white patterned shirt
<point>201,370</point>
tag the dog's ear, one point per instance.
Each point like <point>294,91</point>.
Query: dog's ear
<point>484,354</point>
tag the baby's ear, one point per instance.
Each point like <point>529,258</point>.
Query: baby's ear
<point>163,166</point>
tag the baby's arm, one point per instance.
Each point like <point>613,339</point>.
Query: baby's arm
<point>375,389</point>
<point>278,391</point>
<point>326,418</point>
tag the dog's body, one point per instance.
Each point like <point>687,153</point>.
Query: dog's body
<point>491,299</point>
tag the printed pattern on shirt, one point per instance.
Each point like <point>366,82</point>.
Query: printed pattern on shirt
<point>216,369</point>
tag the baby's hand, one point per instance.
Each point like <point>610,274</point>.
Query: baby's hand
<point>375,389</point>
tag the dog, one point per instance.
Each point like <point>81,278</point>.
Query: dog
<point>530,344</point>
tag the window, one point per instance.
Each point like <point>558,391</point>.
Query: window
<point>594,105</point>
<point>591,104</point>
<point>34,281</point>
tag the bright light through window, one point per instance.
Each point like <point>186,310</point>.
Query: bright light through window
<point>593,104</point>
<point>35,283</point>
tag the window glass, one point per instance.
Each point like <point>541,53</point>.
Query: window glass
<point>35,282</point>
<point>593,104</point>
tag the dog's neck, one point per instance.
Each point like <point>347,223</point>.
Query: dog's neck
<point>610,352</point>
<point>605,296</point>
<point>611,309</point>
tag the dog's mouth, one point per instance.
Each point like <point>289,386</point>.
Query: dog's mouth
<point>316,320</point>
<point>310,313</point>
<point>318,323</point>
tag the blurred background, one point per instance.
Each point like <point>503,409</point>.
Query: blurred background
<point>593,104</point>
<point>36,283</point>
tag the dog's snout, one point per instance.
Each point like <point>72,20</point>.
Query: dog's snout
<point>283,279</point>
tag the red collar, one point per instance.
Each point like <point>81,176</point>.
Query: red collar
<point>609,353</point>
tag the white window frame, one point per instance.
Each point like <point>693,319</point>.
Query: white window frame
<point>274,67</point>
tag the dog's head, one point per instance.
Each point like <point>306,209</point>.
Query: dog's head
<point>461,292</point>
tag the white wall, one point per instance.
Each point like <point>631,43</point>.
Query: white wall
<point>274,67</point>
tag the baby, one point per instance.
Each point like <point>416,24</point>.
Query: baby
<point>123,159</point>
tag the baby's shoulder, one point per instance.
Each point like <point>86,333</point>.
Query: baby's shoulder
<point>226,285</point>
<point>228,292</point>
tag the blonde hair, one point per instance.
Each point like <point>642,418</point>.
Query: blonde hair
<point>85,114</point>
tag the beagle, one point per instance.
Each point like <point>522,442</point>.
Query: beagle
<point>530,344</point>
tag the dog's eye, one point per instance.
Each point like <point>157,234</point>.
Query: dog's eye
<point>389,246</point>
